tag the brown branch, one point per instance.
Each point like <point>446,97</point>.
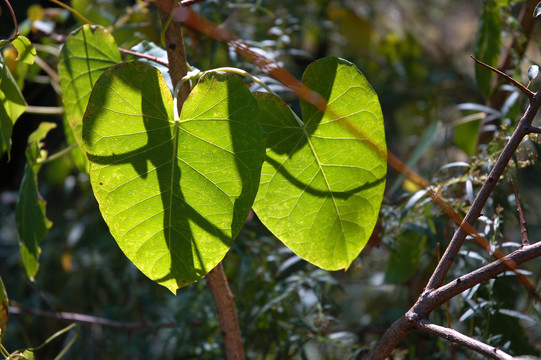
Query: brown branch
<point>523,230</point>
<point>227,313</point>
<point>521,87</point>
<point>216,280</point>
<point>475,210</point>
<point>390,339</point>
<point>176,52</point>
<point>429,301</point>
<point>466,341</point>
<point>534,130</point>
<point>18,309</point>
<point>144,56</point>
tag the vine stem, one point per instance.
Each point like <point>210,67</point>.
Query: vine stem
<point>14,19</point>
<point>216,279</point>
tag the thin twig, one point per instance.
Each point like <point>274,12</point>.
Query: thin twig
<point>18,309</point>
<point>521,87</point>
<point>466,341</point>
<point>44,110</point>
<point>437,297</point>
<point>447,314</point>
<point>58,154</point>
<point>523,230</point>
<point>144,56</point>
<point>14,19</point>
<point>75,12</point>
<point>534,130</point>
<point>189,2</point>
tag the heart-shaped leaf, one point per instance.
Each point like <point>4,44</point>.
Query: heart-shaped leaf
<point>321,186</point>
<point>174,193</point>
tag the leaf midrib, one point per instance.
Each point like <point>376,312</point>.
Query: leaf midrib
<point>173,162</point>
<point>326,182</point>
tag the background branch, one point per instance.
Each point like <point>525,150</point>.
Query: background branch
<point>466,341</point>
<point>18,309</point>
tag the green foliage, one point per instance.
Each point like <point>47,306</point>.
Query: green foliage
<point>487,48</point>
<point>12,105</point>
<point>32,223</point>
<point>321,187</point>
<point>405,258</point>
<point>177,214</point>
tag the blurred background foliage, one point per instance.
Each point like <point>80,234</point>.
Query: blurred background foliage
<point>416,54</point>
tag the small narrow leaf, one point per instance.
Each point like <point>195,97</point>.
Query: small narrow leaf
<point>4,309</point>
<point>487,48</point>
<point>321,187</point>
<point>27,52</point>
<point>87,53</point>
<point>12,106</point>
<point>174,193</point>
<point>533,71</point>
<point>537,10</point>
<point>32,223</point>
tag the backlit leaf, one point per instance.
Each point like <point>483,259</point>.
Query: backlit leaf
<point>321,187</point>
<point>174,193</point>
<point>32,223</point>
<point>12,105</point>
<point>87,53</point>
<point>27,52</point>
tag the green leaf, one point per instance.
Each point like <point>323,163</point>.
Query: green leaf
<point>174,193</point>
<point>28,355</point>
<point>465,136</point>
<point>405,257</point>
<point>4,309</point>
<point>12,105</point>
<point>151,49</point>
<point>321,187</point>
<point>27,52</point>
<point>32,223</point>
<point>487,48</point>
<point>87,53</point>
<point>4,42</point>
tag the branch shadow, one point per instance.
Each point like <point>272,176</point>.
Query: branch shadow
<point>320,193</point>
<point>186,265</point>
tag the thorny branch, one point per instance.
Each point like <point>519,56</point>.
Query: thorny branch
<point>433,294</point>
<point>523,230</point>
